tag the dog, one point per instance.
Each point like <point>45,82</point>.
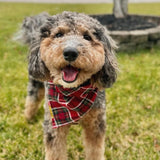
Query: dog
<point>71,62</point>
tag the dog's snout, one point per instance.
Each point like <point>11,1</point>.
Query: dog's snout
<point>70,54</point>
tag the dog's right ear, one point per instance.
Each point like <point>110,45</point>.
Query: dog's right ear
<point>36,66</point>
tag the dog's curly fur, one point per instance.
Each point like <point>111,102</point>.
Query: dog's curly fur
<point>47,37</point>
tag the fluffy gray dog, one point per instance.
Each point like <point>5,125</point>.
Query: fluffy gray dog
<point>72,55</point>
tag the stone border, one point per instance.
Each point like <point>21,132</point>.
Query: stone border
<point>137,39</point>
<point>132,40</point>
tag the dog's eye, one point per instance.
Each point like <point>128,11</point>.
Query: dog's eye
<point>58,35</point>
<point>87,37</point>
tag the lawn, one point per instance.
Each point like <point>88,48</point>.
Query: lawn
<point>133,105</point>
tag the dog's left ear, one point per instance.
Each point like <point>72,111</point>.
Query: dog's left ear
<point>108,74</point>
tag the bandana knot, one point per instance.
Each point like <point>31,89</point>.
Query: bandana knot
<point>68,105</point>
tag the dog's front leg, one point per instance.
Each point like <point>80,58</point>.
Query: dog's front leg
<point>54,139</point>
<point>55,144</point>
<point>34,98</point>
<point>94,134</point>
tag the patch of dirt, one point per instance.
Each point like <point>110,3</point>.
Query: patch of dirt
<point>128,23</point>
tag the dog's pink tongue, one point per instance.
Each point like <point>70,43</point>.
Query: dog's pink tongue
<point>69,74</point>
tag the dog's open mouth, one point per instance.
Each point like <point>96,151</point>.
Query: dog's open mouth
<point>70,73</point>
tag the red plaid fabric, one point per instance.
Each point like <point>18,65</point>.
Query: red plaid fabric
<point>68,105</point>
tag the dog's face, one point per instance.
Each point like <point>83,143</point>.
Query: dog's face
<point>74,48</point>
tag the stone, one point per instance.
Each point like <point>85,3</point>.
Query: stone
<point>120,36</point>
<point>138,36</point>
<point>154,33</point>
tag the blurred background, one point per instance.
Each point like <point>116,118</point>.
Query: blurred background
<point>78,1</point>
<point>133,104</point>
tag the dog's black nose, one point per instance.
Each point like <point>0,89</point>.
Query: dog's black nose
<point>70,54</point>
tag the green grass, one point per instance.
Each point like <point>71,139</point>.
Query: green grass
<point>133,105</point>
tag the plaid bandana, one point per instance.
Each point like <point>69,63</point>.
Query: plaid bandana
<point>68,105</point>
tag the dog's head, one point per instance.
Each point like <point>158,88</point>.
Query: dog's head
<point>74,48</point>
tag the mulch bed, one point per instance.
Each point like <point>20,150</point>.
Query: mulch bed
<point>128,23</point>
